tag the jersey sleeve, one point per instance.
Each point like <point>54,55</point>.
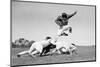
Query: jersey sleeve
<point>69,16</point>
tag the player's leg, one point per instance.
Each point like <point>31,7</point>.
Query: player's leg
<point>63,50</point>
<point>66,30</point>
<point>33,54</point>
<point>43,51</point>
<point>27,51</point>
<point>63,31</point>
<point>32,48</point>
<point>53,51</point>
<point>74,49</point>
<point>59,52</point>
<point>39,49</point>
<point>60,31</point>
<point>48,48</point>
<point>22,53</point>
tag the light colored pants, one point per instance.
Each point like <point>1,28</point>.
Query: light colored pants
<point>36,47</point>
<point>64,29</point>
<point>65,45</point>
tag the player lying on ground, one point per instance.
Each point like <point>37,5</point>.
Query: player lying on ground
<point>37,47</point>
<point>64,47</point>
<point>61,50</point>
<point>62,21</point>
<point>61,47</point>
<point>72,49</point>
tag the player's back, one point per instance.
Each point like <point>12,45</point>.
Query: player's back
<point>44,43</point>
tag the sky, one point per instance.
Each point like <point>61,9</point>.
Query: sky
<point>35,21</point>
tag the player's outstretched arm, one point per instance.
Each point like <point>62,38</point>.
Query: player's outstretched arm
<point>69,16</point>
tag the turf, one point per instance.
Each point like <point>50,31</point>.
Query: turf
<point>85,53</point>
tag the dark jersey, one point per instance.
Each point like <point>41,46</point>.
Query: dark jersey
<point>62,21</point>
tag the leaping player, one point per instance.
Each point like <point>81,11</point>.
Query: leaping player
<point>62,21</point>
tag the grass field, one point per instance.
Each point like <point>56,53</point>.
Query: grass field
<point>85,53</point>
